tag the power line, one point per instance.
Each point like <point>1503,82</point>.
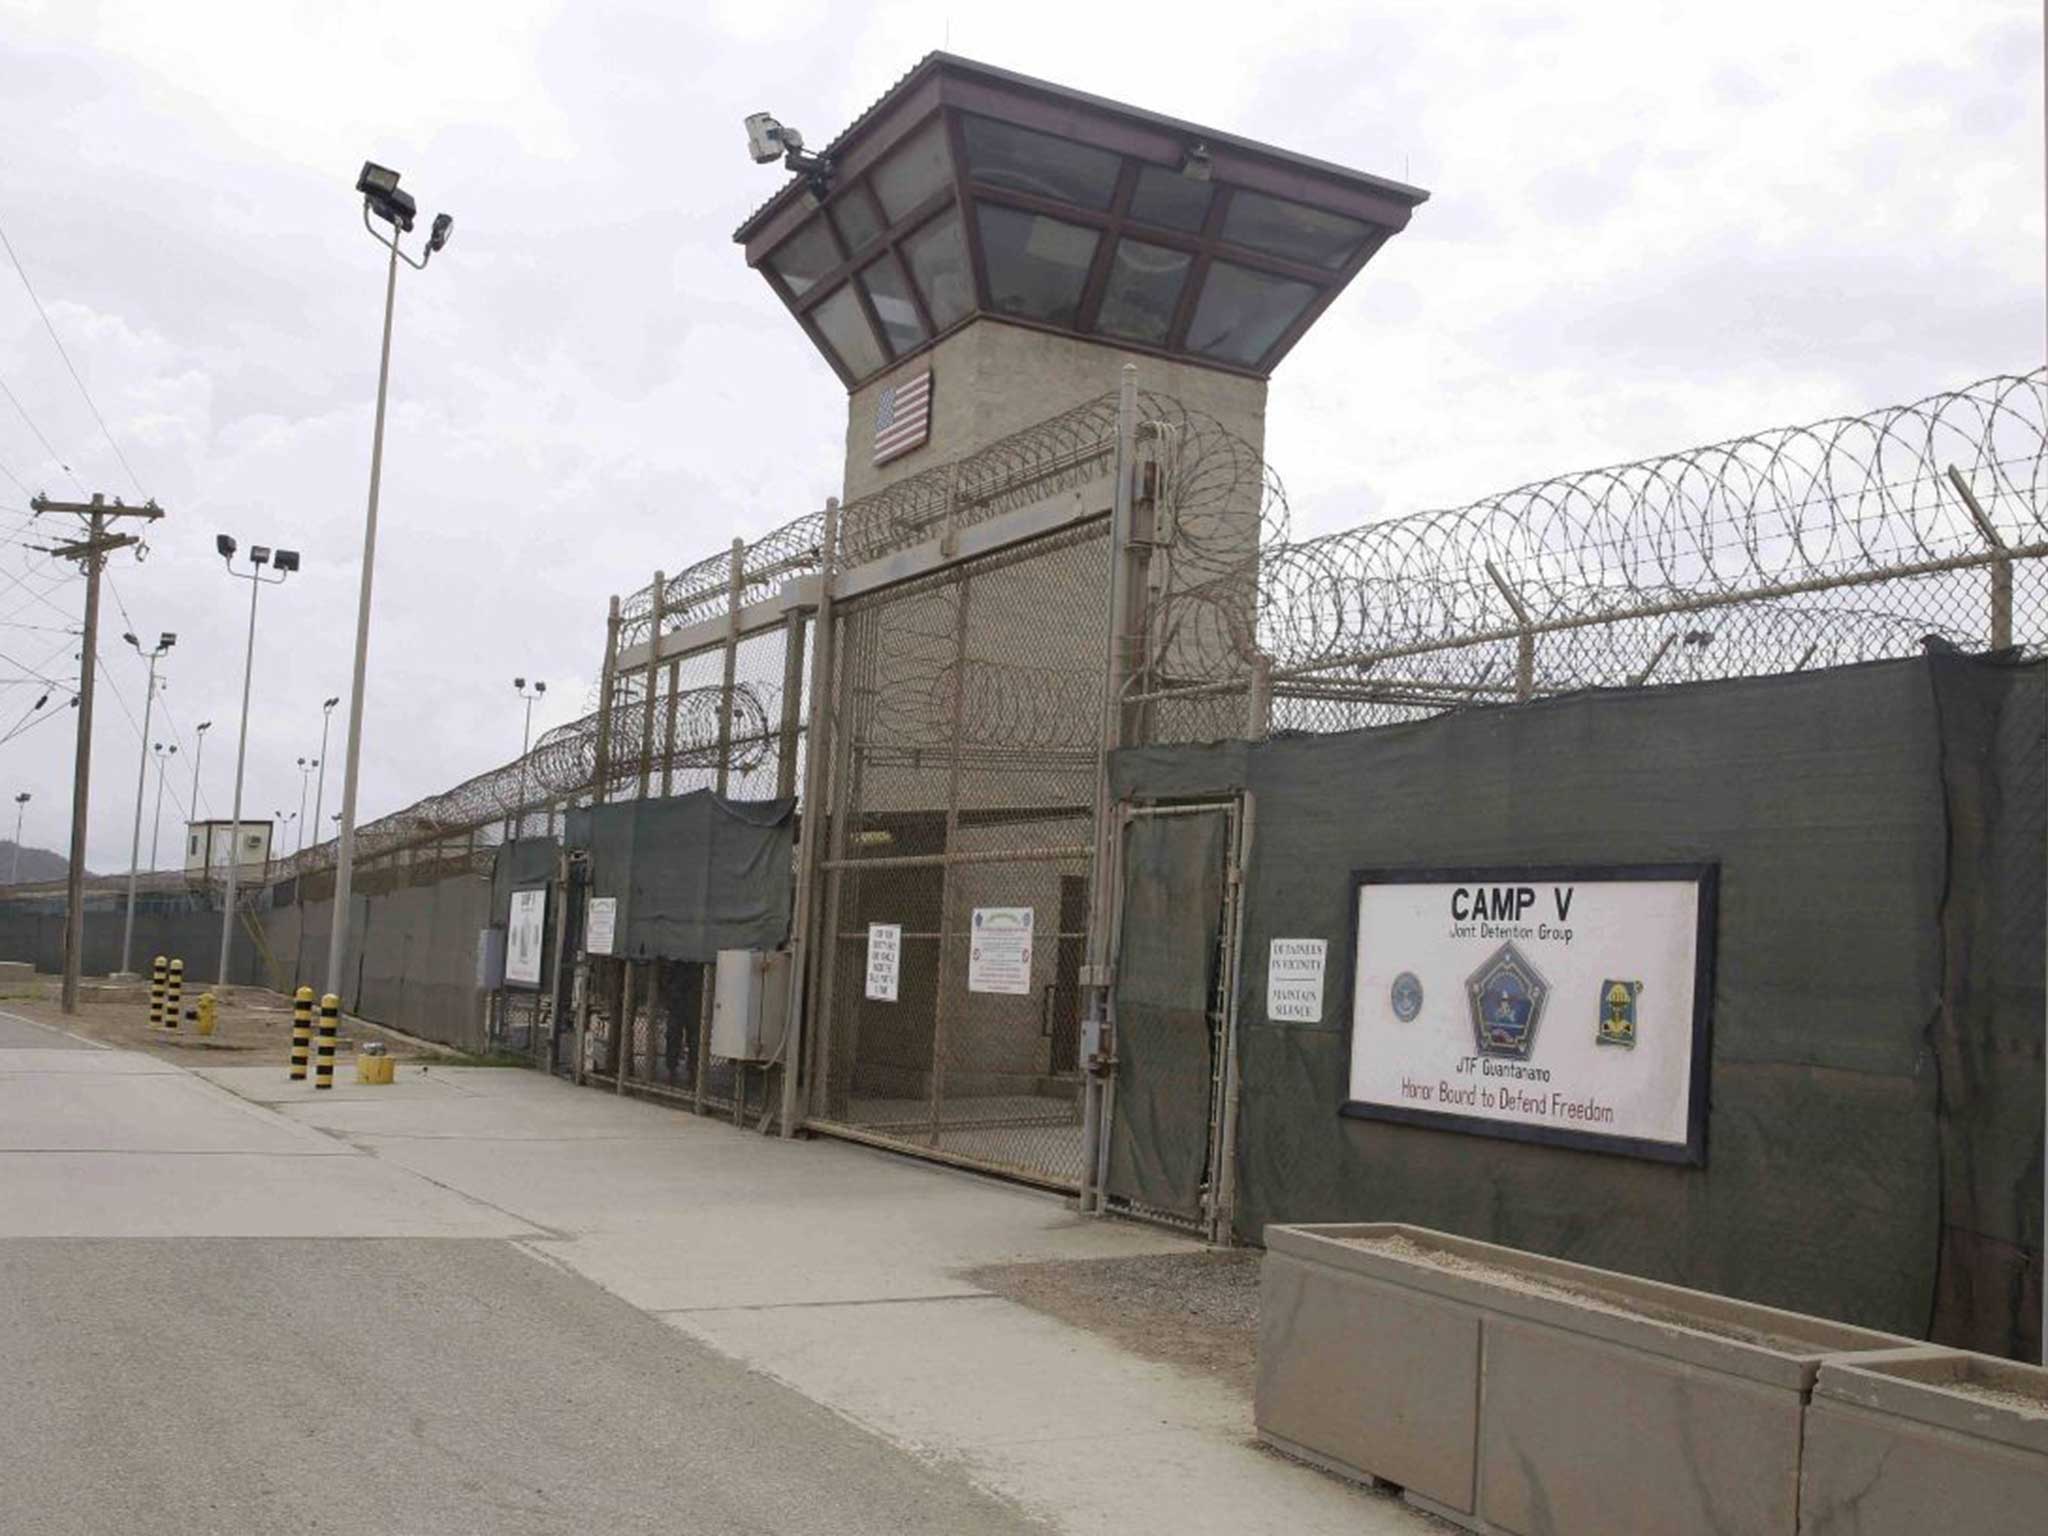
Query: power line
<point>22,411</point>
<point>90,404</point>
<point>34,716</point>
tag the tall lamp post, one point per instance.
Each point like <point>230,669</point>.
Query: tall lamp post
<point>164,755</point>
<point>381,198</point>
<point>20,809</point>
<point>306,767</point>
<point>525,745</point>
<point>282,563</point>
<point>320,788</point>
<point>164,642</point>
<point>198,752</point>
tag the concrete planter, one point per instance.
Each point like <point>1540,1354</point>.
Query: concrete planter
<point>1920,1440</point>
<point>1514,1393</point>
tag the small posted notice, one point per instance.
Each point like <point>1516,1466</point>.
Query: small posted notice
<point>885,960</point>
<point>600,925</point>
<point>999,951</point>
<point>1294,980</point>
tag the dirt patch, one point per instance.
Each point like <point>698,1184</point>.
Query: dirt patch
<point>251,1025</point>
<point>1586,1296</point>
<point>1198,1311</point>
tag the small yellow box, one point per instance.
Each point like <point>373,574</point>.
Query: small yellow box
<point>374,1069</point>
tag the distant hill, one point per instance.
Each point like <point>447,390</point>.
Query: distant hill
<point>37,864</point>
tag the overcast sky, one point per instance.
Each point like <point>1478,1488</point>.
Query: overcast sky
<point>1651,225</point>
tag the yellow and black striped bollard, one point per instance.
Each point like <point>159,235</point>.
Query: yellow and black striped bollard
<point>302,1032</point>
<point>330,1023</point>
<point>174,994</point>
<point>158,970</point>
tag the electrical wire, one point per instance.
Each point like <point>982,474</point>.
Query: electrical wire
<point>90,403</point>
<point>22,411</point>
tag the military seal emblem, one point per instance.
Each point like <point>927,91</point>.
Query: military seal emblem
<point>1406,996</point>
<point>1506,997</point>
<point>1617,1024</point>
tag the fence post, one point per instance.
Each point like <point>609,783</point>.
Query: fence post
<point>735,586</point>
<point>1258,722</point>
<point>811,826</point>
<point>942,1011</point>
<point>608,681</point>
<point>668,733</point>
<point>622,1024</point>
<point>2001,570</point>
<point>1525,642</point>
<point>1100,1063</point>
<point>653,674</point>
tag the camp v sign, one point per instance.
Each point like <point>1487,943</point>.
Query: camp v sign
<point>1561,1005</point>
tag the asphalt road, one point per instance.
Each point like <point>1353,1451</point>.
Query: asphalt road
<point>406,1386</point>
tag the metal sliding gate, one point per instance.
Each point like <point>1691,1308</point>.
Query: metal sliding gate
<point>966,713</point>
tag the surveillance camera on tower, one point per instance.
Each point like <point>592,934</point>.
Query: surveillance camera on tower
<point>767,140</point>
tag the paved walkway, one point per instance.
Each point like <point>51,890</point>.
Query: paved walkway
<point>555,1309</point>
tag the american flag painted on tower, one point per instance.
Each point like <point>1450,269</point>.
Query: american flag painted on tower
<point>903,417</point>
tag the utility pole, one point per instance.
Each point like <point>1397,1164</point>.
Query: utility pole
<point>91,554</point>
<point>20,809</point>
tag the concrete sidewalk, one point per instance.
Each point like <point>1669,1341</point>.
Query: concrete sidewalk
<point>482,1300</point>
<point>837,1269</point>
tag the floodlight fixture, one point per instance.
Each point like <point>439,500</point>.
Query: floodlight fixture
<point>167,639</point>
<point>379,186</point>
<point>129,636</point>
<point>224,544</point>
<point>540,687</point>
<point>518,682</point>
<point>444,225</point>
<point>286,560</point>
<point>1197,164</point>
<point>259,554</point>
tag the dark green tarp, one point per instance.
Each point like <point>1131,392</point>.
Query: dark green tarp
<point>1874,1132</point>
<point>693,874</point>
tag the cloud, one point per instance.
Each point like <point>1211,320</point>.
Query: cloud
<point>1651,225</point>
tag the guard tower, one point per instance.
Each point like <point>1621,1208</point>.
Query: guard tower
<point>978,256</point>
<point>1019,242</point>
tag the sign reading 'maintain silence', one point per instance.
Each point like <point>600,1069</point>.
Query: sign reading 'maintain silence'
<point>1561,1005</point>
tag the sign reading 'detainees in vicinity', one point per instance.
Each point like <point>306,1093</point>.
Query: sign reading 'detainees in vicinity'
<point>1294,980</point>
<point>999,951</point>
<point>885,960</point>
<point>600,925</point>
<point>1568,1006</point>
<point>523,937</point>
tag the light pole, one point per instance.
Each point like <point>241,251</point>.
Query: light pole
<point>164,642</point>
<point>283,563</point>
<point>163,760</point>
<point>525,746</point>
<point>198,751</point>
<point>20,810</point>
<point>320,789</point>
<point>306,767</point>
<point>381,197</point>
<point>283,822</point>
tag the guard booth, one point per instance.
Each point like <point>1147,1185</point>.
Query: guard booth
<point>980,258</point>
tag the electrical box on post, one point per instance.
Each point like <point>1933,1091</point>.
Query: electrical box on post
<point>749,1004</point>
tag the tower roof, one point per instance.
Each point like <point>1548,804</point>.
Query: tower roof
<point>972,191</point>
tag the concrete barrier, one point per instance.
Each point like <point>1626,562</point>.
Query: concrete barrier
<point>16,974</point>
<point>1922,1440</point>
<point>1514,1393</point>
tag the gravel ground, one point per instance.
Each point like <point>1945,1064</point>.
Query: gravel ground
<point>250,1023</point>
<point>1199,1311</point>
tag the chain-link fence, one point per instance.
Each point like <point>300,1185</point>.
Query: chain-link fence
<point>966,710</point>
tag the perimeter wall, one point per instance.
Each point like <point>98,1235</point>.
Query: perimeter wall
<point>1875,1132</point>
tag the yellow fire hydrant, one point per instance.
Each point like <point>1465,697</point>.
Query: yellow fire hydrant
<point>202,1021</point>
